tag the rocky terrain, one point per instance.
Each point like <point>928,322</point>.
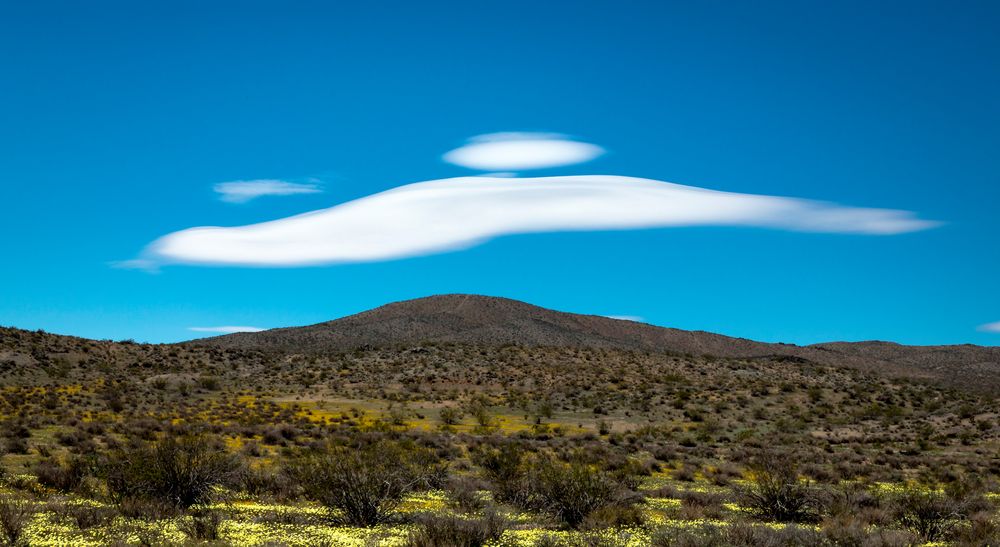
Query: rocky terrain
<point>482,320</point>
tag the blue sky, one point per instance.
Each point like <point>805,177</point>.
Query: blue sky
<point>119,120</point>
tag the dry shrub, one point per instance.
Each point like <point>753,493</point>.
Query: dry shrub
<point>614,516</point>
<point>452,531</point>
<point>64,475</point>
<point>697,505</point>
<point>269,481</point>
<point>146,509</point>
<point>202,525</point>
<point>979,529</point>
<point>932,513</point>
<point>849,531</point>
<point>15,514</point>
<point>464,494</point>
<point>84,516</point>
<point>736,535</point>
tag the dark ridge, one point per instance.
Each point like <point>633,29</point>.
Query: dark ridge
<point>493,321</point>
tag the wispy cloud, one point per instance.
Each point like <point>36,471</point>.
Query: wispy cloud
<point>517,151</point>
<point>145,264</point>
<point>990,327</point>
<point>242,191</point>
<point>225,329</point>
<point>450,214</point>
<point>635,318</point>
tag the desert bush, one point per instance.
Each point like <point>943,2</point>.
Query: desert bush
<point>571,491</point>
<point>586,539</point>
<point>698,505</point>
<point>180,471</point>
<point>16,445</point>
<point>503,468</point>
<point>452,531</point>
<point>736,535</point>
<point>210,383</point>
<point>685,472</point>
<point>267,480</point>
<point>202,525</point>
<point>64,475</point>
<point>15,514</point>
<point>979,529</point>
<point>84,516</point>
<point>69,438</point>
<point>614,516</point>
<point>930,512</point>
<point>464,494</point>
<point>450,415</point>
<point>146,509</point>
<point>773,491</point>
<point>365,483</point>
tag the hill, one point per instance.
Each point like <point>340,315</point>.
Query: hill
<point>492,321</point>
<point>682,419</point>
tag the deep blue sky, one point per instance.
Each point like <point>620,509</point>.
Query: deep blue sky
<point>116,119</point>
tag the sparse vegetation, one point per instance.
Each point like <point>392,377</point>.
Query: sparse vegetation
<point>176,470</point>
<point>451,531</point>
<point>14,516</point>
<point>365,483</point>
<point>774,491</point>
<point>465,444</point>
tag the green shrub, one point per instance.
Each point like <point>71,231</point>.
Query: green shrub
<point>572,491</point>
<point>503,468</point>
<point>774,491</point>
<point>932,513</point>
<point>180,471</point>
<point>569,491</point>
<point>366,484</point>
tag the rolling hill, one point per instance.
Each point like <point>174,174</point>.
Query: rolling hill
<point>492,321</point>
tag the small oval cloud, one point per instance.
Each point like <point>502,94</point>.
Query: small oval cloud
<point>226,329</point>
<point>518,151</point>
<point>990,327</point>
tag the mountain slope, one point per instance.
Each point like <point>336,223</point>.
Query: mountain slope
<point>472,319</point>
<point>482,320</point>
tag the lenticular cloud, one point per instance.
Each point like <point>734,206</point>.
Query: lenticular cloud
<point>519,151</point>
<point>443,215</point>
<point>242,191</point>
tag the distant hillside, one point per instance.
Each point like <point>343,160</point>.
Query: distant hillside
<point>483,320</point>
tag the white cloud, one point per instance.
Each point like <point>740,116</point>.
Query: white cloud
<point>242,191</point>
<point>635,318</point>
<point>990,327</point>
<point>450,214</point>
<point>517,151</point>
<point>225,329</point>
<point>144,264</point>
